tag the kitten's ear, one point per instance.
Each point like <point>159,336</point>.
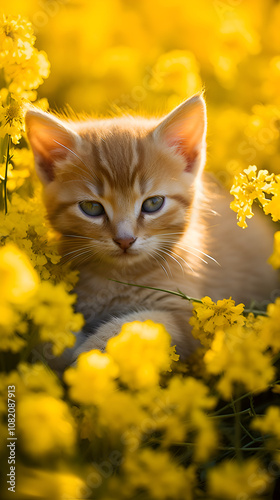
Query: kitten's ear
<point>50,140</point>
<point>184,130</point>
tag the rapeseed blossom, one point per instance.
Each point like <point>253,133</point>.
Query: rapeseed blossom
<point>269,327</point>
<point>156,473</point>
<point>208,317</point>
<point>92,380</point>
<point>231,480</point>
<point>262,187</point>
<point>47,483</point>
<point>58,326</point>
<point>23,298</point>
<point>191,400</point>
<point>237,355</point>
<point>147,360</point>
<point>16,39</point>
<point>249,186</point>
<point>19,281</point>
<point>45,426</point>
<point>11,116</point>
<point>269,425</point>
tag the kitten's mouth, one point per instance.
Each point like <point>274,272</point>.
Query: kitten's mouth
<point>127,253</point>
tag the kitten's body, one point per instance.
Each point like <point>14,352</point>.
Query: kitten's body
<point>120,163</point>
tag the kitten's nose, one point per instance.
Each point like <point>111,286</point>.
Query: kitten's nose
<point>124,243</point>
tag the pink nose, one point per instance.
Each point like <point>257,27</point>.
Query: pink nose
<point>124,243</point>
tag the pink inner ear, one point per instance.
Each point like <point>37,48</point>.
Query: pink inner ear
<point>189,154</point>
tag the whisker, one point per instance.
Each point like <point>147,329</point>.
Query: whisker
<point>76,256</point>
<point>193,248</point>
<point>77,250</point>
<point>194,254</point>
<point>168,254</point>
<point>206,254</point>
<point>78,236</point>
<point>75,154</point>
<point>71,151</point>
<point>161,265</point>
<point>179,256</point>
<point>164,260</point>
<point>170,234</point>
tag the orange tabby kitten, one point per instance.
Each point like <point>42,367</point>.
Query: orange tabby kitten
<point>129,197</point>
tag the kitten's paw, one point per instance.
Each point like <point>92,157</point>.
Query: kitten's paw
<point>98,339</point>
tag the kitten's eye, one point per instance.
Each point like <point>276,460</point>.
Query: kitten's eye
<point>92,208</point>
<point>152,204</point>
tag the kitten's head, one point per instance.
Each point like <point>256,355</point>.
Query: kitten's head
<point>120,191</point>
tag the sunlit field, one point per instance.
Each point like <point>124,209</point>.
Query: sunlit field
<point>145,425</point>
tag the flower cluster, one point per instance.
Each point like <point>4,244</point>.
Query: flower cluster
<point>33,312</point>
<point>264,188</point>
<point>24,69</point>
<point>24,66</point>
<point>208,317</point>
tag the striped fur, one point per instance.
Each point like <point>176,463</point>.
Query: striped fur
<point>191,244</point>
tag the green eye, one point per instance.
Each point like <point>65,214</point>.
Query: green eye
<point>92,208</point>
<point>152,204</point>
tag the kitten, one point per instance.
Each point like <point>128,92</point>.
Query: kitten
<point>129,197</point>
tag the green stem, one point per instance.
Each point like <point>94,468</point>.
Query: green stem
<point>248,394</point>
<point>231,415</point>
<point>183,296</point>
<point>220,448</point>
<point>237,428</point>
<point>6,176</point>
<point>256,312</point>
<point>252,405</point>
<point>246,431</point>
<point>179,294</point>
<point>33,341</point>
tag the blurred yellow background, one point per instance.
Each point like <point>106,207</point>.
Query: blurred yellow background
<point>146,56</point>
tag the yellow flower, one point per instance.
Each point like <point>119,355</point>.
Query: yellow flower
<point>237,355</point>
<point>269,423</point>
<point>45,426</point>
<point>42,484</point>
<point>12,326</point>
<point>25,225</point>
<point>187,401</point>
<point>273,205</point>
<point>270,327</point>
<point>16,40</point>
<point>148,344</point>
<point>93,379</point>
<point>51,310</point>
<point>231,480</point>
<point>29,75</point>
<point>12,118</point>
<point>19,281</point>
<point>247,187</point>
<point>38,378</point>
<point>7,379</point>
<point>274,259</point>
<point>120,412</point>
<point>208,317</point>
<point>157,474</point>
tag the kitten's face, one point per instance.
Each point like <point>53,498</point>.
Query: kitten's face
<point>119,191</point>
